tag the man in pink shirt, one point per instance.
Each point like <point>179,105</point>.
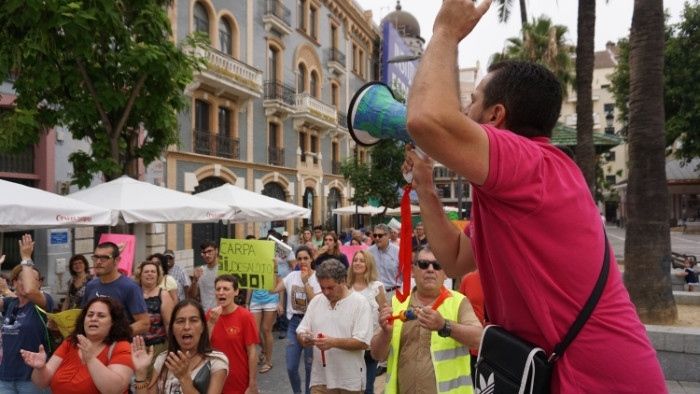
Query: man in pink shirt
<point>535,233</point>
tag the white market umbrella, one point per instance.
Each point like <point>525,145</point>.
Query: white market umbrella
<point>142,202</point>
<point>249,206</point>
<point>23,207</point>
<point>415,210</point>
<point>363,210</point>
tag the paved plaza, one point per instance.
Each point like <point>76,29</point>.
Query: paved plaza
<point>276,380</point>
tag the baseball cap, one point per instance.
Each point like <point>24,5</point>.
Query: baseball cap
<point>169,253</point>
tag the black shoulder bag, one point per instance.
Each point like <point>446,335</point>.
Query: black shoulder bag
<point>507,364</point>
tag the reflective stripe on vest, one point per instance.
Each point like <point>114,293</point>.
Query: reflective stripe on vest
<point>450,358</point>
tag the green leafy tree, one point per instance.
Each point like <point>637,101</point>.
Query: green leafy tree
<point>545,44</point>
<point>106,70</point>
<point>380,178</point>
<point>506,6</point>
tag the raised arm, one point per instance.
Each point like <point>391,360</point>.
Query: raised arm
<point>435,120</point>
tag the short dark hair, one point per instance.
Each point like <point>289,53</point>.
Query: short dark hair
<point>162,260</point>
<point>318,227</point>
<point>207,244</point>
<point>109,245</point>
<point>227,278</point>
<point>80,258</point>
<point>303,248</point>
<point>531,94</point>
<point>120,330</point>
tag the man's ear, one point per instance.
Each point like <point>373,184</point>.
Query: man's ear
<point>496,116</point>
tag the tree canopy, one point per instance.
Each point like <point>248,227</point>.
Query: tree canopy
<point>380,178</point>
<point>681,83</point>
<point>105,70</point>
<point>544,43</point>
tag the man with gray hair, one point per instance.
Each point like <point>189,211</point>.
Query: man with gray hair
<point>339,326</point>
<point>386,255</point>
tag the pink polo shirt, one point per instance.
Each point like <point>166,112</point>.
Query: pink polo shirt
<point>538,242</point>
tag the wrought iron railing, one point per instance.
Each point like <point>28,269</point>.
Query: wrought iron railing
<point>275,155</point>
<point>221,145</point>
<point>342,119</point>
<point>275,90</point>
<point>334,55</point>
<point>276,8</point>
<point>335,168</point>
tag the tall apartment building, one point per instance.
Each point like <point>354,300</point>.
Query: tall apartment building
<point>269,111</point>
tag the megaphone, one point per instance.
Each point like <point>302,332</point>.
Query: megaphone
<point>375,114</point>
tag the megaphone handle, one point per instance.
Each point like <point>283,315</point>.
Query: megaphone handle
<point>408,176</point>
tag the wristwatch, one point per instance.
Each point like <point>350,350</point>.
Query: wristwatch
<point>446,330</point>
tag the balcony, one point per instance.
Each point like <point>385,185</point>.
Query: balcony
<point>220,145</point>
<point>335,167</point>
<point>22,162</point>
<point>226,74</point>
<point>275,156</point>
<point>277,17</point>
<point>342,120</point>
<point>336,61</point>
<point>278,99</point>
<point>314,113</point>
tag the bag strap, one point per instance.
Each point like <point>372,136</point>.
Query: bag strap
<point>109,352</point>
<point>587,309</point>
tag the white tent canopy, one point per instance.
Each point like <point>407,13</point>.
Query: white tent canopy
<point>23,207</point>
<point>142,202</point>
<point>249,206</point>
<point>363,210</point>
<point>415,210</point>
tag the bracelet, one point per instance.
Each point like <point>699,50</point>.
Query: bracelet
<point>139,381</point>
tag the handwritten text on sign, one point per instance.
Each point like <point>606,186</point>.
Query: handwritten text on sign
<point>252,261</point>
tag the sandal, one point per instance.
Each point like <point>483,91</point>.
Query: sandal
<point>261,359</point>
<point>265,368</point>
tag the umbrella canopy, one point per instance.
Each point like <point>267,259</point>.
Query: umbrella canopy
<point>364,210</point>
<point>23,207</point>
<point>142,202</point>
<point>415,210</point>
<point>249,206</point>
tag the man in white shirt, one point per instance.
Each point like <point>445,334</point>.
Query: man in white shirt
<point>339,326</point>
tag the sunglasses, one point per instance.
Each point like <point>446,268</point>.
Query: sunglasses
<point>378,235</point>
<point>101,258</point>
<point>424,264</point>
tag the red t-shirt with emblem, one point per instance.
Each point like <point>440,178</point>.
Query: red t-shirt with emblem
<point>232,334</point>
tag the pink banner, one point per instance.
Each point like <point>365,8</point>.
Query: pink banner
<point>127,249</point>
<point>350,250</point>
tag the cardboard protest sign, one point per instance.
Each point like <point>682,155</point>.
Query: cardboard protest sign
<point>252,261</point>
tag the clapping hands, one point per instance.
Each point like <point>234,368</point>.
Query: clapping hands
<point>141,355</point>
<point>34,360</point>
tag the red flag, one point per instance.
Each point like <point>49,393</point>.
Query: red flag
<point>405,248</point>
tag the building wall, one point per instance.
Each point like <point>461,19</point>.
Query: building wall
<point>253,109</point>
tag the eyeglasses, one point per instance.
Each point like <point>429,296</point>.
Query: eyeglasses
<point>100,257</point>
<point>378,235</point>
<point>424,264</point>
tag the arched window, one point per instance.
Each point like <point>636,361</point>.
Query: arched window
<point>275,190</point>
<point>308,203</point>
<point>301,79</point>
<point>201,19</point>
<point>225,44</point>
<point>333,203</point>
<point>314,90</point>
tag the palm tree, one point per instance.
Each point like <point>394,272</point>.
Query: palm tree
<point>543,43</point>
<point>585,150</point>
<point>648,244</point>
<point>504,7</point>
